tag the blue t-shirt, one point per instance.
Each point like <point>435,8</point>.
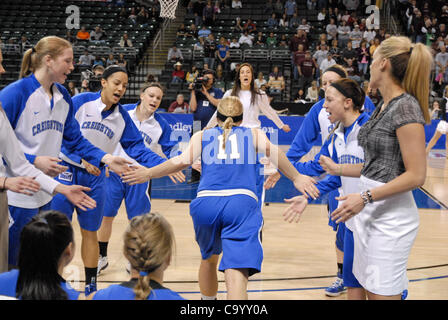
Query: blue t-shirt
<point>8,284</point>
<point>125,291</point>
<point>222,50</point>
<point>205,109</point>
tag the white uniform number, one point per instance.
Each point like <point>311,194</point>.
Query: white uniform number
<point>233,147</point>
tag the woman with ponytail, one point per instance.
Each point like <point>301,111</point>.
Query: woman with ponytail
<point>148,246</point>
<point>225,213</point>
<point>47,246</point>
<point>384,214</point>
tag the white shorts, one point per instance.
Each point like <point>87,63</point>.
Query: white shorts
<point>442,127</point>
<point>384,232</point>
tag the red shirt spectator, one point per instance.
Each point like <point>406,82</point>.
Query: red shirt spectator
<point>179,106</point>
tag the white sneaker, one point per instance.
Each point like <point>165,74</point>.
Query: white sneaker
<point>103,263</point>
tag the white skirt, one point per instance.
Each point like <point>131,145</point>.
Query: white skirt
<point>384,232</point>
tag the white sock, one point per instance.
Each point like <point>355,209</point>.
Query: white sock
<point>207,297</point>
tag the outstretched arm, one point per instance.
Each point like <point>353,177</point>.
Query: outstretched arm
<point>171,166</point>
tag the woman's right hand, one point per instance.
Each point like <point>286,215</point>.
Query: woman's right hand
<point>306,185</point>
<point>271,181</point>
<point>49,165</point>
<point>329,165</point>
<point>24,185</point>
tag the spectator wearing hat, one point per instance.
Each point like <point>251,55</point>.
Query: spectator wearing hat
<point>178,74</point>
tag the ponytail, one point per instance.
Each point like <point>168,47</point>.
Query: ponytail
<point>227,127</point>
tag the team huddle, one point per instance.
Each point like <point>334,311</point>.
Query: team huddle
<point>89,153</point>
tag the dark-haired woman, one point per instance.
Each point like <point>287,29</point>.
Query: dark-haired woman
<point>47,246</point>
<point>105,123</point>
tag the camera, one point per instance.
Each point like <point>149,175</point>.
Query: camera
<point>199,82</point>
<point>93,79</point>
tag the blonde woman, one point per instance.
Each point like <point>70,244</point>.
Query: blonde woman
<point>148,246</point>
<point>384,213</point>
<point>226,214</point>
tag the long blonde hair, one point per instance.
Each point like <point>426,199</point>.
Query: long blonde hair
<point>148,244</point>
<point>32,58</point>
<point>229,106</point>
<point>411,66</point>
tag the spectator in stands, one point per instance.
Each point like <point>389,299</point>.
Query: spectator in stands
<point>269,7</point>
<point>208,14</point>
<point>307,70</point>
<point>352,71</point>
<point>374,46</point>
<point>355,36</point>
<point>125,42</point>
<point>304,26</point>
<point>290,8</point>
<point>441,63</point>
<point>322,16</point>
<point>192,74</point>
<point>363,59</point>
<point>260,81</point>
<point>283,44</point>
<point>238,27</point>
<point>320,55</point>
<point>99,61</point>
<point>122,61</point>
<point>300,96</point>
<point>312,94</point>
<point>143,16</point>
<point>151,78</point>
<point>298,38</point>
<point>278,8</point>
<point>69,37</point>
<point>133,16</point>
<point>111,60</point>
<point>236,4</point>
<point>123,15</point>
<point>210,51</point>
<point>351,5</point>
<point>271,40</point>
<point>223,53</point>
<point>234,44</point>
<point>250,26</point>
<point>441,31</point>
<point>343,34</point>
<point>71,87</point>
<point>97,35</point>
<point>204,32</point>
<point>179,105</point>
<point>246,38</point>
<point>311,4</point>
<point>199,45</point>
<point>298,56</point>
<point>369,34</point>
<point>217,8</point>
<point>83,35</point>
<point>332,30</point>
<point>174,54</point>
<point>24,43</point>
<point>349,53</point>
<point>276,82</point>
<point>193,32</point>
<point>272,21</point>
<point>294,22</point>
<point>335,51</point>
<point>260,39</point>
<point>326,63</point>
<point>178,74</point>
<point>283,21</point>
<point>182,31</point>
<point>86,59</point>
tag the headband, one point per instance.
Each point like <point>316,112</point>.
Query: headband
<point>336,70</point>
<point>113,69</point>
<point>338,87</point>
<point>223,118</point>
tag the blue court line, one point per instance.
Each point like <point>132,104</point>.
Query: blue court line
<point>306,289</point>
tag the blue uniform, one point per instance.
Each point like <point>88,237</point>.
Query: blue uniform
<point>125,291</point>
<point>8,284</point>
<point>156,134</point>
<point>41,125</point>
<point>343,148</point>
<point>105,129</point>
<point>225,214</point>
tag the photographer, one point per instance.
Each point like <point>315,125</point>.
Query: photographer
<point>91,80</point>
<point>203,102</point>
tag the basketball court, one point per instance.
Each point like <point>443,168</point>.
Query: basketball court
<point>299,259</point>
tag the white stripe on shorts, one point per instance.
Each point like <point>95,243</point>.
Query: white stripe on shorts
<point>226,193</point>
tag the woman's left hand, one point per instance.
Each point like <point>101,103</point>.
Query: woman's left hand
<point>352,205</point>
<point>286,128</point>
